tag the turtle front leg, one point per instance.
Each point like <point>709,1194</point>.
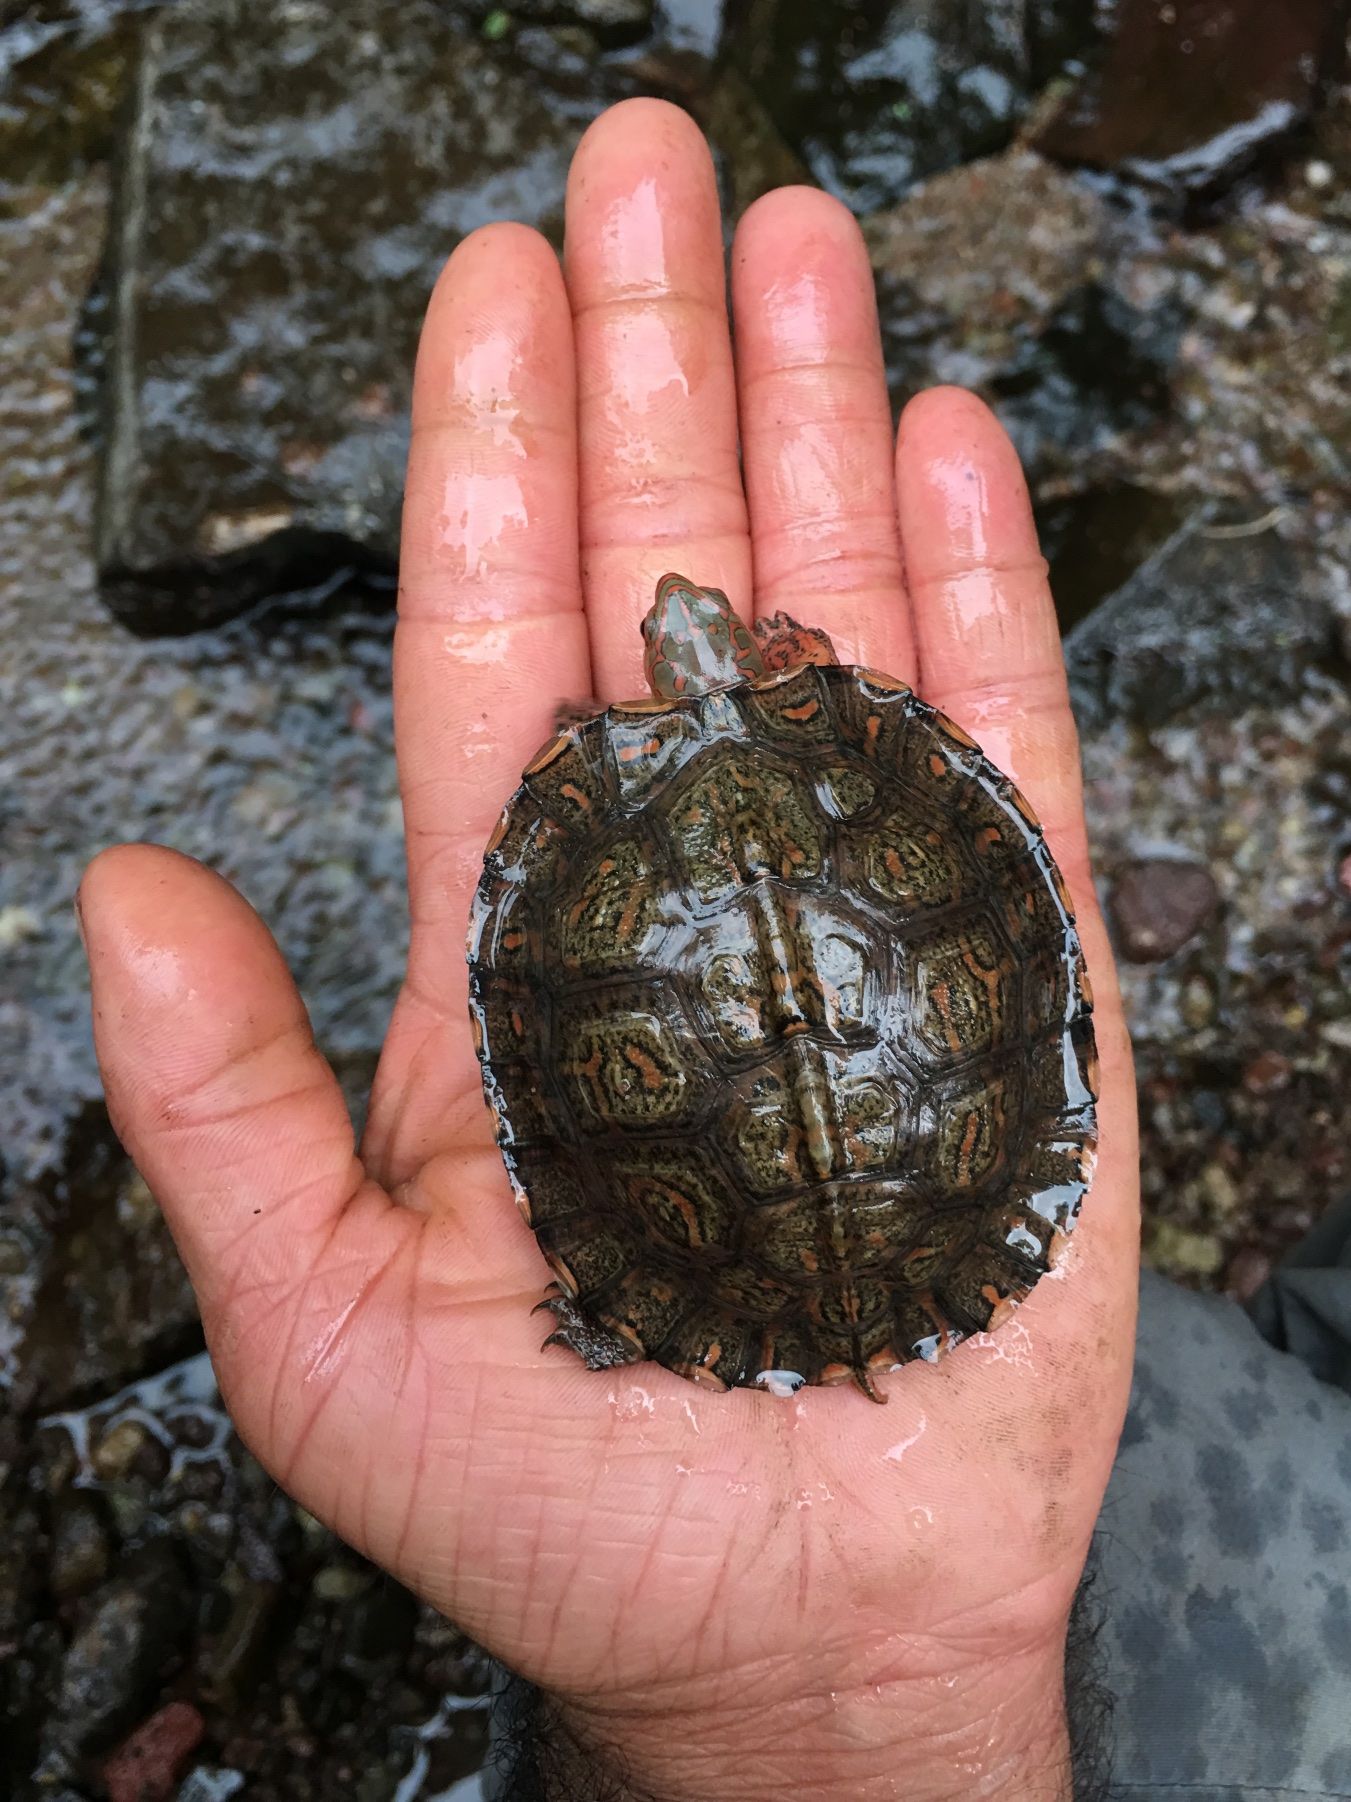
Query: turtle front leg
<point>784,644</point>
<point>595,1345</point>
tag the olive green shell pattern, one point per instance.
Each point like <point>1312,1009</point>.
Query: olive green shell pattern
<point>785,1028</point>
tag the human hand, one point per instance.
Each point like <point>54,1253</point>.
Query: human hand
<point>739,1596</point>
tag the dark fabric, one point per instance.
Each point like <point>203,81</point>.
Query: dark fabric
<point>1305,1306</point>
<point>1224,1554</point>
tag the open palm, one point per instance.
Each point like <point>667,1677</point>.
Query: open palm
<point>636,1545</point>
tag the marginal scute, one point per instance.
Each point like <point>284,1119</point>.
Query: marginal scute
<point>565,783</point>
<point>786,1030</point>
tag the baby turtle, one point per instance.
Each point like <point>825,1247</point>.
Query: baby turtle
<point>782,1016</point>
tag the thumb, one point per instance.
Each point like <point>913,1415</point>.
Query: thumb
<point>213,1079</point>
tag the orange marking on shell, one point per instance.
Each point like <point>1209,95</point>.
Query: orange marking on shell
<point>1063,893</point>
<point>631,753</point>
<point>651,1072</point>
<point>937,1319</point>
<point>499,832</point>
<point>941,994</point>
<point>950,729</point>
<point>573,793</point>
<point>1002,1307</point>
<point>1025,808</point>
<point>937,763</point>
<point>808,710</point>
<point>550,754</point>
<point>888,684</point>
<point>870,732</point>
<point>969,1139</point>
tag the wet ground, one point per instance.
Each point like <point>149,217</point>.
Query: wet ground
<point>1174,358</point>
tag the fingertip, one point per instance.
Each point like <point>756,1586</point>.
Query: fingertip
<point>800,204</point>
<point>961,490</point>
<point>642,124</point>
<point>136,902</point>
<point>497,306</point>
<point>183,972</point>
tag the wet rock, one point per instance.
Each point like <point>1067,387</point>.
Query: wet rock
<point>875,98</point>
<point>231,1665</point>
<point>379,1627</point>
<point>79,1549</point>
<point>146,1766</point>
<point>116,1658</point>
<point>612,21</point>
<point>974,264</point>
<point>95,1290</point>
<point>290,185</point>
<point>63,74</point>
<point>1191,94</point>
<point>1213,620</point>
<point>1157,904</point>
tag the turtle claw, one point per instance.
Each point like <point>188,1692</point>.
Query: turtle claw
<point>594,1344</point>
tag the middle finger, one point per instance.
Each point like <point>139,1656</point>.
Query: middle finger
<point>659,480</point>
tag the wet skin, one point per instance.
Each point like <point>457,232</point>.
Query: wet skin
<point>748,1597</point>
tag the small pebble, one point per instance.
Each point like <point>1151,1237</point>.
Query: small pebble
<point>1157,904</point>
<point>1319,174</point>
<point>1268,1073</point>
<point>1197,1003</point>
<point>116,1451</point>
<point>145,1767</point>
<point>1248,1269</point>
<point>79,1548</point>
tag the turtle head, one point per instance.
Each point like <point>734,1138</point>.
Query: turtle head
<point>693,642</point>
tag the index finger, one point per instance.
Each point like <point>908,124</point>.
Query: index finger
<point>491,638</point>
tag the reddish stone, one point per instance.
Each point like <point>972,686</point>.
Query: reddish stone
<point>1158,904</point>
<point>146,1766</point>
<point>1248,1269</point>
<point>1267,1073</point>
<point>1344,874</point>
